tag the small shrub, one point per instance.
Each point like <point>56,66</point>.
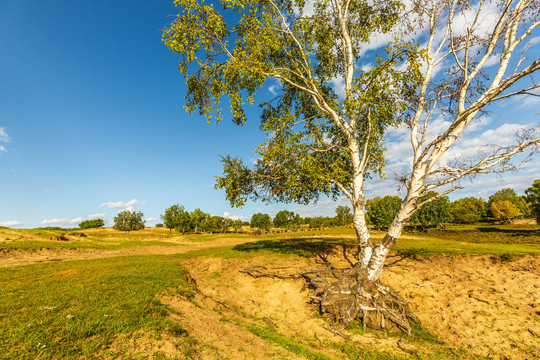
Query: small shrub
<point>89,224</point>
<point>159,225</point>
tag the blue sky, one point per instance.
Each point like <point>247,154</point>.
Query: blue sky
<point>92,121</point>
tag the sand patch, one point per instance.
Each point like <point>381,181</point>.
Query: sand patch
<point>479,303</point>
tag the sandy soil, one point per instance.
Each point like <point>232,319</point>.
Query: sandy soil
<point>480,303</point>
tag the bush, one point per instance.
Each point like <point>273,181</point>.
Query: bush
<point>129,220</point>
<point>90,224</point>
<point>159,225</point>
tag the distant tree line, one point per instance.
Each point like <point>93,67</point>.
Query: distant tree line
<point>502,206</point>
<point>197,221</point>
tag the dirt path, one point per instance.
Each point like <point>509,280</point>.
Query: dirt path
<point>25,257</point>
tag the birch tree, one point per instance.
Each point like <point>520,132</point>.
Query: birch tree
<point>448,58</point>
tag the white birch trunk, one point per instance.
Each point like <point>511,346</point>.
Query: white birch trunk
<point>407,209</point>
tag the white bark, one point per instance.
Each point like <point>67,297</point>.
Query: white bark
<point>470,62</point>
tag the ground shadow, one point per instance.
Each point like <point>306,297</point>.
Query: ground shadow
<point>320,248</point>
<point>312,247</point>
<point>512,232</point>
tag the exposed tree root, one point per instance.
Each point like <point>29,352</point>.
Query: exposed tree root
<point>345,295</point>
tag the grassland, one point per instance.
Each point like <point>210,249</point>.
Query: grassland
<point>139,306</point>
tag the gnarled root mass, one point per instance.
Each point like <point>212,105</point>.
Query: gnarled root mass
<point>345,295</point>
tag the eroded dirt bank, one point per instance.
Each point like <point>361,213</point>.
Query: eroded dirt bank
<point>479,304</point>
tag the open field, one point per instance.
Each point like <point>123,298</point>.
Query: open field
<point>150,295</point>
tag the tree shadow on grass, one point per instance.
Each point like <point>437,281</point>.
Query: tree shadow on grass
<point>308,248</point>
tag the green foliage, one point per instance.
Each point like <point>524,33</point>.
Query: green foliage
<point>504,210</point>
<point>320,222</point>
<point>198,219</point>
<point>261,221</point>
<point>284,219</point>
<point>434,212</point>
<point>469,210</point>
<point>343,215</point>
<point>237,224</point>
<point>309,127</point>
<point>533,198</point>
<point>381,211</point>
<point>159,225</point>
<point>128,221</point>
<point>509,194</point>
<point>218,224</point>
<point>176,217</point>
<point>89,224</point>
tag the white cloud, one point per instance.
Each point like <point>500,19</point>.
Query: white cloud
<point>96,216</point>
<point>528,101</point>
<point>62,221</point>
<point>120,204</point>
<point>4,136</point>
<point>228,215</point>
<point>151,219</point>
<point>10,223</point>
<point>339,86</point>
<point>534,40</point>
<point>275,87</point>
<point>2,148</point>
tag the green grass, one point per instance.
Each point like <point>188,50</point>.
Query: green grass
<point>456,239</point>
<point>321,246</point>
<point>484,233</point>
<point>269,333</point>
<point>433,246</point>
<point>74,309</point>
<point>104,238</point>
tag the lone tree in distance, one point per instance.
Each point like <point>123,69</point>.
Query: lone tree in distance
<point>128,221</point>
<point>321,143</point>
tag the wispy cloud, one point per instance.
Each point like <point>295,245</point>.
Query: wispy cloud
<point>96,216</point>
<point>120,204</point>
<point>151,219</point>
<point>62,221</point>
<point>275,87</point>
<point>10,223</point>
<point>4,137</point>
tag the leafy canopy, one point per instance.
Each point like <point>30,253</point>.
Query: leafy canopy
<point>89,224</point>
<point>129,220</point>
<point>504,210</point>
<point>313,133</point>
<point>381,211</point>
<point>261,221</point>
